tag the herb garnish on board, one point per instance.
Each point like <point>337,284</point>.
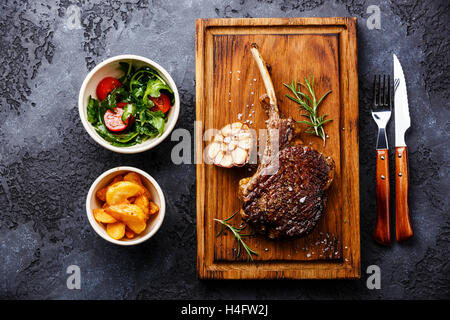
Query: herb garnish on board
<point>238,236</point>
<point>310,104</point>
<point>137,85</point>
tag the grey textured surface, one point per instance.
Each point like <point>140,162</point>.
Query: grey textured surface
<point>47,160</point>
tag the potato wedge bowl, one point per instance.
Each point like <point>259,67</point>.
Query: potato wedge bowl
<point>125,206</point>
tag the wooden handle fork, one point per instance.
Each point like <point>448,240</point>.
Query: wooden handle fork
<point>382,232</point>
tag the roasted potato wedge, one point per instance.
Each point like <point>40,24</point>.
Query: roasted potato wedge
<point>153,208</point>
<point>116,179</point>
<point>143,202</point>
<point>101,216</point>
<point>101,194</point>
<point>134,177</point>
<point>130,214</point>
<point>120,191</point>
<point>116,230</point>
<point>129,233</point>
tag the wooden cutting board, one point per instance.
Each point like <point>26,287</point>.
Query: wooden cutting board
<point>228,85</point>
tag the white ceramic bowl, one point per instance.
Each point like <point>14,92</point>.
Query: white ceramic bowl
<point>153,223</point>
<point>110,68</point>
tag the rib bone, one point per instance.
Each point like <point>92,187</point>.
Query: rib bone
<point>275,126</point>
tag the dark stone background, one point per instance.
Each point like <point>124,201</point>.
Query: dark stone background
<point>48,162</point>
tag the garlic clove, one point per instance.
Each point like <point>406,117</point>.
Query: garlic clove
<point>232,145</point>
<point>213,150</point>
<point>224,147</point>
<point>227,161</point>
<point>218,158</point>
<point>236,127</point>
<point>218,137</point>
<point>226,131</point>
<point>239,156</point>
<point>245,144</point>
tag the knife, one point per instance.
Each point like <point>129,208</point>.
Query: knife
<point>403,227</point>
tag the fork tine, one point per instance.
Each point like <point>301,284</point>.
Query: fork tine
<point>382,91</point>
<point>389,92</point>
<point>375,90</point>
<point>379,90</point>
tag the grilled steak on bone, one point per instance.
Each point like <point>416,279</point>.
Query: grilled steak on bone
<point>286,196</point>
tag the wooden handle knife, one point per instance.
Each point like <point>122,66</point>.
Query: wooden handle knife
<point>403,226</point>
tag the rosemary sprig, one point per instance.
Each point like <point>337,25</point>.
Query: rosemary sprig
<point>310,104</point>
<point>238,236</point>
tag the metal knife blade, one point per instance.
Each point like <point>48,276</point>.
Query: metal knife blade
<point>401,109</point>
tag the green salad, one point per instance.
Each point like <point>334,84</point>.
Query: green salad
<point>131,109</point>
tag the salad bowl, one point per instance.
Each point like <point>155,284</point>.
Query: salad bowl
<point>112,68</point>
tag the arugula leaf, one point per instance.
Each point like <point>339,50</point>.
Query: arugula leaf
<point>128,70</point>
<point>154,87</point>
<point>92,110</point>
<point>142,76</point>
<point>130,109</point>
<point>154,119</point>
<point>111,101</point>
<point>146,131</point>
<point>137,93</point>
<point>158,123</point>
<point>119,138</point>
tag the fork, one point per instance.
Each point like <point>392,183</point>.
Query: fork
<point>381,113</point>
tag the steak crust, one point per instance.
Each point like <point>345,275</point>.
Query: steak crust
<point>290,202</point>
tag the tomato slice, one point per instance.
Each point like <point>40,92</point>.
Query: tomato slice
<point>161,103</point>
<point>105,86</point>
<point>113,120</point>
<point>121,104</point>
